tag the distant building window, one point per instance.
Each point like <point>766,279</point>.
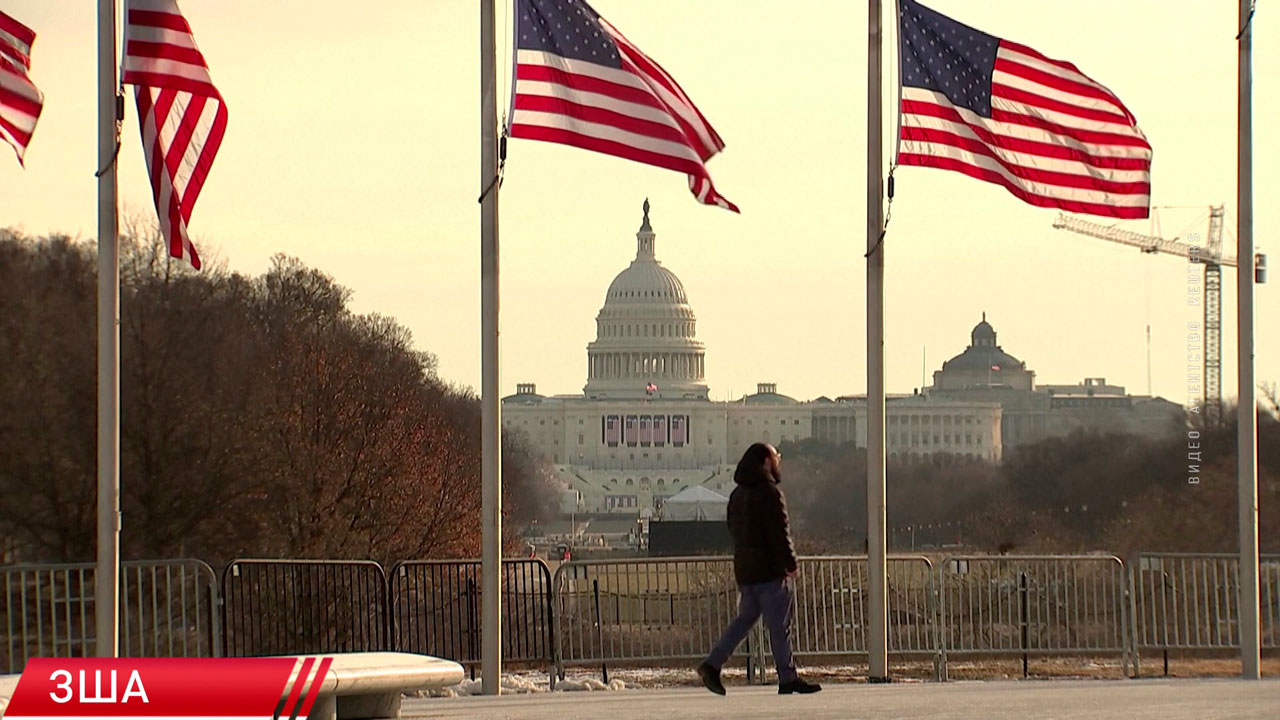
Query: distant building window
<point>630,481</point>
<point>581,438</point>
<point>661,482</point>
<point>796,422</point>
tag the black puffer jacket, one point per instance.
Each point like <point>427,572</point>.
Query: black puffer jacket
<point>762,548</point>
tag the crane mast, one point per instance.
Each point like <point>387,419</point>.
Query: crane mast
<point>1208,254</point>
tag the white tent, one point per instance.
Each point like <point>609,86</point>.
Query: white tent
<point>695,503</point>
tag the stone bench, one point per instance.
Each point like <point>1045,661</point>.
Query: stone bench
<point>359,686</point>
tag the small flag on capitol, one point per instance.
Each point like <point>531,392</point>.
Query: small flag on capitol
<point>182,116</point>
<point>580,82</point>
<point>20,100</point>
<point>1006,114</point>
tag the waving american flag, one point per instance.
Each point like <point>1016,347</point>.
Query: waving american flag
<point>1004,113</point>
<point>181,113</point>
<point>20,100</point>
<point>580,82</point>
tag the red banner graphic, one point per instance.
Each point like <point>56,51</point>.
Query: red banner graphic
<point>168,687</point>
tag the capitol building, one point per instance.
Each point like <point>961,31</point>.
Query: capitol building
<point>644,428</point>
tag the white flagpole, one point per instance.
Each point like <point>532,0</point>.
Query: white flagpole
<point>107,576</point>
<point>1247,433</point>
<point>877,624</point>
<point>490,402</point>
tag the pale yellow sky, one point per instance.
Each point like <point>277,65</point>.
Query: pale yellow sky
<point>353,144</point>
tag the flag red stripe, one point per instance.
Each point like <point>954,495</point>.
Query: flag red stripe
<point>12,67</point>
<point>1035,147</point>
<point>991,176</point>
<point>1019,47</point>
<point>205,161</point>
<point>13,58</point>
<point>155,18</point>
<point>608,147</point>
<point>24,34</point>
<point>1048,177</point>
<point>22,137</point>
<point>1090,137</point>
<point>1030,99</point>
<point>165,51</point>
<point>588,113</point>
<point>21,103</point>
<point>1058,82</point>
<point>585,83</point>
<point>160,80</point>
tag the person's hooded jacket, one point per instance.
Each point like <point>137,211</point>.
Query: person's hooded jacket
<point>757,516</point>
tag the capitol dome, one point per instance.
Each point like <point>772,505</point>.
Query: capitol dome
<point>645,344</point>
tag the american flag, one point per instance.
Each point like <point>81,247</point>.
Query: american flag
<point>20,100</point>
<point>580,82</point>
<point>181,113</point>
<point>1004,113</point>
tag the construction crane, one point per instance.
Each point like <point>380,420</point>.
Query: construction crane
<point>1210,255</point>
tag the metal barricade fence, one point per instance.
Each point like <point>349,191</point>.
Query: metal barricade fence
<point>1192,602</point>
<point>831,606</point>
<point>167,609</point>
<point>435,610</point>
<point>1032,605</point>
<point>304,607</point>
<point>642,610</point>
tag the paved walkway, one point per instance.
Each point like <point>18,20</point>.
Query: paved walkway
<point>1062,700</point>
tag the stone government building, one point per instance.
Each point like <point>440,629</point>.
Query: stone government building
<point>644,427</point>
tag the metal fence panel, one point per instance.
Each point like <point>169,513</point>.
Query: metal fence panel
<point>831,606</point>
<point>435,610</point>
<point>1192,601</point>
<point>167,609</point>
<point>297,607</point>
<point>1032,605</point>
<point>642,609</point>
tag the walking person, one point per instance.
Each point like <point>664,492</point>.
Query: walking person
<point>764,563</point>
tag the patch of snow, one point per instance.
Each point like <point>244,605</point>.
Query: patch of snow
<point>589,684</point>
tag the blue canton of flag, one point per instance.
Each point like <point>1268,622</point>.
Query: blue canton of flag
<point>579,82</point>
<point>1006,114</point>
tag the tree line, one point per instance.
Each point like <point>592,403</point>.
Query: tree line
<point>260,416</point>
<point>1083,492</point>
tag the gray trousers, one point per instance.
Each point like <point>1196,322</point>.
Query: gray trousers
<point>773,600</point>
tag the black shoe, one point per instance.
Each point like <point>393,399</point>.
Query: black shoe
<point>798,686</point>
<point>711,678</point>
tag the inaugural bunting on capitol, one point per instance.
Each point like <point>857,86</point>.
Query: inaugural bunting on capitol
<point>173,688</point>
<point>1004,113</point>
